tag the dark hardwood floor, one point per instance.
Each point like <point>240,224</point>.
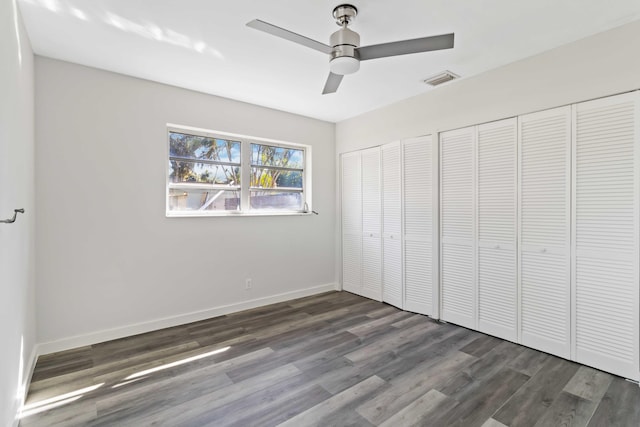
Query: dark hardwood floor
<point>329,360</point>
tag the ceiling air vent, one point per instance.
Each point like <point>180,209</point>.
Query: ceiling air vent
<point>438,79</point>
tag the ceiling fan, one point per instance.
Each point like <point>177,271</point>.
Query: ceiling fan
<point>345,52</point>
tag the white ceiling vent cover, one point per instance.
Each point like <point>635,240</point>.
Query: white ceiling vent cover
<point>443,77</point>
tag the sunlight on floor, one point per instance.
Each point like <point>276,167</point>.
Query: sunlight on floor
<point>123,383</point>
<point>54,402</point>
<point>176,363</point>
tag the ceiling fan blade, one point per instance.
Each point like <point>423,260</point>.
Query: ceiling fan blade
<point>424,44</point>
<point>333,81</point>
<point>288,35</point>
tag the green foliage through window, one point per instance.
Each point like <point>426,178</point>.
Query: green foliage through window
<point>220,159</point>
<point>276,162</point>
<point>204,175</point>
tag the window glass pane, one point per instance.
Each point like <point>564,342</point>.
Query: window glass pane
<point>266,155</point>
<point>202,200</point>
<point>185,171</point>
<point>276,200</point>
<point>274,178</point>
<point>202,147</point>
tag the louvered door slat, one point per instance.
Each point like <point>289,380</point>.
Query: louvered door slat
<point>418,192</point>
<point>606,234</point>
<point>457,160</point>
<point>351,194</point>
<point>457,276</point>
<point>544,282</point>
<point>352,263</point>
<point>392,224</point>
<point>351,223</point>
<point>371,225</point>
<point>371,267</point>
<point>391,173</point>
<point>371,192</point>
<point>418,276</point>
<point>496,210</point>
<point>392,272</point>
<point>497,297</point>
<point>418,225</point>
<point>544,227</point>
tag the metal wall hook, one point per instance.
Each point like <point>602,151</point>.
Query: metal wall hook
<point>15,214</point>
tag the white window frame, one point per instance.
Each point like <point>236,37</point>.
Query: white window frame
<point>245,175</point>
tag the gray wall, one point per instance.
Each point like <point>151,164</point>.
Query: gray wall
<point>109,262</point>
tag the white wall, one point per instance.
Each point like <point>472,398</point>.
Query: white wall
<point>601,65</point>
<point>109,262</point>
<point>17,319</point>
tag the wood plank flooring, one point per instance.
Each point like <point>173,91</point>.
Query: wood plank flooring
<point>333,359</point>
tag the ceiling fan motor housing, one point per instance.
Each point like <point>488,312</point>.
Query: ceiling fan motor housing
<point>344,58</point>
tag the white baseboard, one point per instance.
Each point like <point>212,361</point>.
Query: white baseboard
<point>181,319</point>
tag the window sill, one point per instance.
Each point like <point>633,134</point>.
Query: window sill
<point>234,214</point>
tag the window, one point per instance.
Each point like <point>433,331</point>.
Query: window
<point>212,173</point>
<point>277,174</point>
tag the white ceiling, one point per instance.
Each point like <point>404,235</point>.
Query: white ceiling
<point>206,46</point>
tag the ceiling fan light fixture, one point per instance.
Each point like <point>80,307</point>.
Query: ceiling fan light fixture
<point>344,65</point>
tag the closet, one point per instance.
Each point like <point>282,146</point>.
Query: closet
<point>361,223</point>
<point>526,228</point>
<point>389,224</point>
<point>478,216</point>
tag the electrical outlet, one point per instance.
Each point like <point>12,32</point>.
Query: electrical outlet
<point>248,283</point>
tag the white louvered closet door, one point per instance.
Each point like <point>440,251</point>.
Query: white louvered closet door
<point>545,215</point>
<point>371,225</point>
<point>392,224</point>
<point>457,210</point>
<point>497,219</point>
<point>606,193</point>
<point>420,255</point>
<point>351,223</point>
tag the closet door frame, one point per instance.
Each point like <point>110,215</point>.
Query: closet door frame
<point>435,161</point>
